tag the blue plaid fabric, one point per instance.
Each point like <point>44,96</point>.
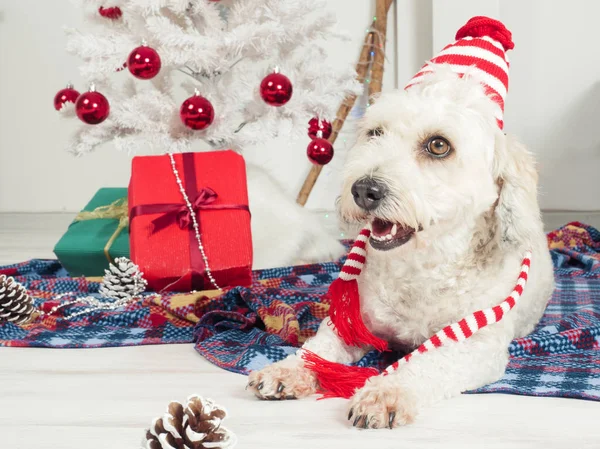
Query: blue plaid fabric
<point>246,329</point>
<point>560,358</point>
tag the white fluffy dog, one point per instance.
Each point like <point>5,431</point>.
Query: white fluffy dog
<point>452,204</point>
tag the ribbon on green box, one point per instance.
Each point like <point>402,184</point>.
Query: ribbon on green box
<point>117,210</point>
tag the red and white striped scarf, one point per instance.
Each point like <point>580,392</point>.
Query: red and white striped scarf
<point>337,380</point>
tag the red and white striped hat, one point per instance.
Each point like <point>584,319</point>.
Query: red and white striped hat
<point>480,49</point>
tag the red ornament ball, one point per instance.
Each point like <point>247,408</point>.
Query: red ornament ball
<point>320,151</point>
<point>314,125</point>
<point>276,89</point>
<point>92,107</point>
<point>112,13</point>
<point>144,62</point>
<point>197,113</point>
<point>47,306</point>
<point>66,95</point>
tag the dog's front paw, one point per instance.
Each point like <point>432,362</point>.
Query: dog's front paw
<point>288,379</point>
<point>382,403</point>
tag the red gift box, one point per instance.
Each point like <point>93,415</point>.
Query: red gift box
<point>162,238</point>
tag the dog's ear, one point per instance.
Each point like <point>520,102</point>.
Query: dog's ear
<point>517,211</point>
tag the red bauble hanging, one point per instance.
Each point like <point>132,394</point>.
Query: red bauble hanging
<point>197,112</point>
<point>112,13</point>
<point>315,125</point>
<point>276,89</point>
<point>66,95</point>
<point>92,107</point>
<point>320,151</point>
<point>144,62</point>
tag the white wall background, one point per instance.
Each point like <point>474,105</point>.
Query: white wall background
<point>553,103</point>
<point>36,173</point>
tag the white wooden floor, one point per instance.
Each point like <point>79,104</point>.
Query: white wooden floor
<point>103,398</point>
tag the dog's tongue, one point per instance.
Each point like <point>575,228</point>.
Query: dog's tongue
<point>380,227</point>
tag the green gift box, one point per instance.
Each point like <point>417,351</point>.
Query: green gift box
<point>99,234</point>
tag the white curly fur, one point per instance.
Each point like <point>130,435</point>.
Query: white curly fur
<point>283,232</point>
<point>479,213</point>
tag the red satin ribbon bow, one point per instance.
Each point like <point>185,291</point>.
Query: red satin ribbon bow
<point>180,213</point>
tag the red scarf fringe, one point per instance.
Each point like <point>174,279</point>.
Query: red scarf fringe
<point>335,379</point>
<point>345,315</point>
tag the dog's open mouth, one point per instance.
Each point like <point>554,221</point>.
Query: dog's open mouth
<point>386,235</point>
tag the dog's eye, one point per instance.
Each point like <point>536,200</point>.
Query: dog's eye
<point>438,147</point>
<point>375,132</point>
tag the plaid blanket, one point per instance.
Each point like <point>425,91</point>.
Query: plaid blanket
<point>248,328</point>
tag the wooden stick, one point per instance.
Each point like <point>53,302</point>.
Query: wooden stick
<point>365,61</point>
<point>380,26</point>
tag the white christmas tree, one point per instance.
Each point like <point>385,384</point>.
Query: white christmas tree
<point>225,48</point>
<point>217,53</point>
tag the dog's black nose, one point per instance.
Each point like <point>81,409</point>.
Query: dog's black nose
<point>368,193</point>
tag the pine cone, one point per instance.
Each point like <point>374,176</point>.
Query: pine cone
<point>196,426</point>
<point>123,280</point>
<point>16,306</point>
